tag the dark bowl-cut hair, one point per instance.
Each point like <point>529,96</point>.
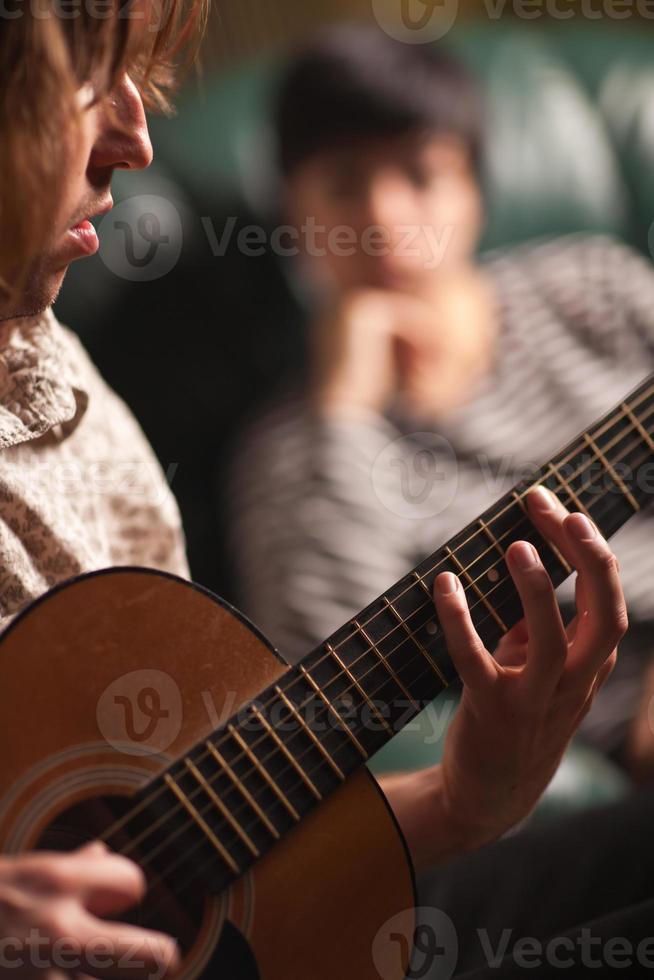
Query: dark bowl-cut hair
<point>354,82</point>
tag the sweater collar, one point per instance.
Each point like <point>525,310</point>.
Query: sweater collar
<point>41,389</point>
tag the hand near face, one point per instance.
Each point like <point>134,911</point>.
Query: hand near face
<point>355,351</point>
<point>429,351</point>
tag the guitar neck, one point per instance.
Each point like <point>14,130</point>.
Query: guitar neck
<point>394,652</point>
<point>350,696</point>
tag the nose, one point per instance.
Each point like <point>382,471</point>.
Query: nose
<point>389,202</point>
<point>122,141</point>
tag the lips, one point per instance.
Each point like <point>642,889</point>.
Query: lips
<point>83,235</point>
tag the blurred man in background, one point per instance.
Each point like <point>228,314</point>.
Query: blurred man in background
<point>343,488</point>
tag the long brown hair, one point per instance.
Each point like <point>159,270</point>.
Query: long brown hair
<point>46,55</point>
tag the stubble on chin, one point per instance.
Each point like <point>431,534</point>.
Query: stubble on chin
<point>41,291</point>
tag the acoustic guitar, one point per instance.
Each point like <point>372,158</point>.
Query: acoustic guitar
<point>141,709</point>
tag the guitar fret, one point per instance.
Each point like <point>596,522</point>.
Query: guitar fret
<point>637,425</point>
<point>496,616</point>
<point>567,488</point>
<point>518,499</point>
<point>285,751</point>
<point>209,834</point>
<point>417,642</point>
<point>215,799</point>
<point>383,660</point>
<point>346,670</point>
<point>242,789</point>
<point>264,772</point>
<point>612,473</point>
<point>419,579</point>
<point>330,707</point>
<point>312,735</point>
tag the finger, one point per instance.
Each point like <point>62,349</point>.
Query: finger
<point>548,643</point>
<point>519,634</point>
<point>581,605</point>
<point>549,516</point>
<point>581,598</point>
<point>599,682</point>
<point>603,622</point>
<point>603,617</point>
<point>107,883</point>
<point>511,655</point>
<point>473,662</point>
<point>606,671</point>
<point>572,629</point>
<point>116,950</point>
<point>512,649</point>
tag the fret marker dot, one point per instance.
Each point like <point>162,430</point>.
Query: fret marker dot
<point>431,628</point>
<point>494,575</point>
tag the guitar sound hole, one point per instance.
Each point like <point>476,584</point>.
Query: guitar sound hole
<point>160,909</point>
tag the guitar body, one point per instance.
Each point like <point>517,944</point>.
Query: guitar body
<point>103,683</point>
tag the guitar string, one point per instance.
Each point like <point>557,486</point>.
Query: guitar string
<point>204,840</point>
<point>302,732</point>
<point>604,427</point>
<point>607,427</point>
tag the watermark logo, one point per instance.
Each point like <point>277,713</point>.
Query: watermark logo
<point>429,942</point>
<point>424,244</point>
<point>426,21</point>
<point>562,10</point>
<point>141,238</point>
<point>41,954</point>
<point>416,21</point>
<point>416,476</point>
<point>141,713</point>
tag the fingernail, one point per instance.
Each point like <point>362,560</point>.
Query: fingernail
<point>447,583</point>
<point>581,528</point>
<point>524,556</point>
<point>543,499</point>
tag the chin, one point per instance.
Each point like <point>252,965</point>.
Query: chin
<point>41,293</point>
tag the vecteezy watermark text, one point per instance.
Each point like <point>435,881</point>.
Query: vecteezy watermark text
<point>417,476</point>
<point>311,238</point>
<point>141,239</point>
<point>435,942</point>
<point>426,21</point>
<point>40,952</point>
<point>70,10</point>
<point>141,713</point>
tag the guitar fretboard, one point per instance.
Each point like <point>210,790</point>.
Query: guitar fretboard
<point>246,787</point>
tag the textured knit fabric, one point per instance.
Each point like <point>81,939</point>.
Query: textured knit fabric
<point>80,489</point>
<point>328,514</point>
